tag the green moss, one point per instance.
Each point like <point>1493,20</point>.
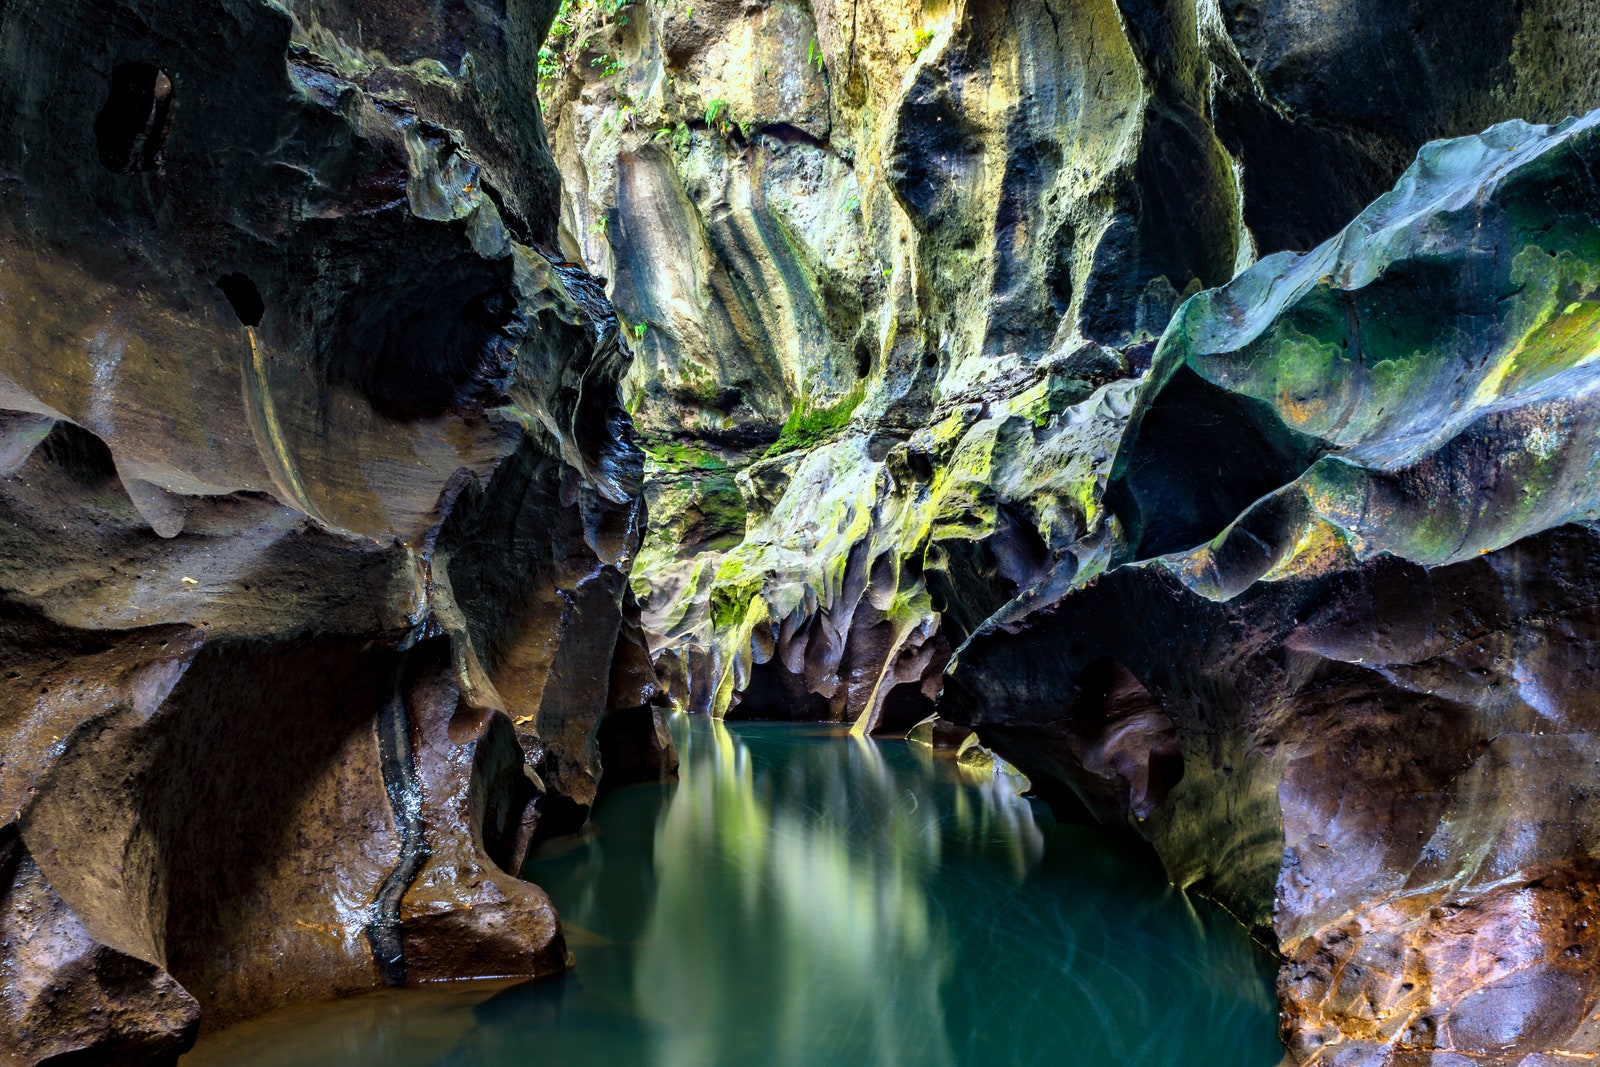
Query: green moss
<point>1565,341</point>
<point>676,455</point>
<point>731,593</point>
<point>721,511</point>
<point>808,426</point>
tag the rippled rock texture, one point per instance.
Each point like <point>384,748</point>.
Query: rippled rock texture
<point>317,502</point>
<point>892,266</point>
<point>1338,664</point>
<point>1308,603</point>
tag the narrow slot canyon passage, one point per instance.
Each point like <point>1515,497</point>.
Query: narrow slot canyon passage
<point>791,532</point>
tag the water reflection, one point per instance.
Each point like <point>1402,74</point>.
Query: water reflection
<point>800,900</point>
<point>822,859</point>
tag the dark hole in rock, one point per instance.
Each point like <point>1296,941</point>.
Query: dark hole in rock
<point>1058,272</point>
<point>1200,456</point>
<point>903,708</point>
<point>131,129</point>
<point>776,693</point>
<point>83,456</point>
<point>863,354</point>
<point>1123,733</point>
<point>244,296</point>
<point>559,816</point>
<point>630,751</point>
<point>427,342</point>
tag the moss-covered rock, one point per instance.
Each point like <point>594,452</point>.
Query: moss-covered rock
<point>895,218</point>
<point>1338,668</point>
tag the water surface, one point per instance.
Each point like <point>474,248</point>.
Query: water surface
<point>803,898</point>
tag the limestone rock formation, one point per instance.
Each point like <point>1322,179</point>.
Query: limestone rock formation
<point>878,259</point>
<point>317,503</point>
<point>1308,605</point>
<point>1338,662</point>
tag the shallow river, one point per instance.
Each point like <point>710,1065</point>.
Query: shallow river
<point>804,898</point>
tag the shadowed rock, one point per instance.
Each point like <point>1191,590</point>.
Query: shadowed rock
<point>880,258</point>
<point>317,502</point>
<point>1358,709</point>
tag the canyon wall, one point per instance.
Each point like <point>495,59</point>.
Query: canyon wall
<point>1301,594</point>
<point>891,268</point>
<point>318,504</point>
<point>1337,662</point>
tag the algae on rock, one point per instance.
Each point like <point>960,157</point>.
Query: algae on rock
<point>1294,606</point>
<point>841,226</point>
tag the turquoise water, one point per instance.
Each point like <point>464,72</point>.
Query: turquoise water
<point>804,898</point>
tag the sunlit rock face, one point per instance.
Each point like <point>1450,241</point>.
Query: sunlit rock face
<point>1338,662</point>
<point>1305,604</point>
<point>318,503</point>
<point>891,267</point>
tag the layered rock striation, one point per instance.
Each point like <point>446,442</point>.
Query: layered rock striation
<point>318,505</point>
<point>1300,594</point>
<point>890,269</point>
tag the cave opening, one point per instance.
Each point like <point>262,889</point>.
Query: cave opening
<point>131,129</point>
<point>243,297</point>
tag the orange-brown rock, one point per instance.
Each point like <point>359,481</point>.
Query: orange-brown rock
<point>317,502</point>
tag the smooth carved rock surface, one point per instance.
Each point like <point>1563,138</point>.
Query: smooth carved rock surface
<point>879,258</point>
<point>1338,664</point>
<point>317,502</point>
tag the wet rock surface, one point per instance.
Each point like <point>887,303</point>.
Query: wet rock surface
<point>1357,707</point>
<point>891,272</point>
<point>319,504</point>
<point>1301,596</point>
<point>319,501</point>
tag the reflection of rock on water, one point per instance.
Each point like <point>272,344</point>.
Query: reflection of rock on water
<point>803,898</point>
<point>832,854</point>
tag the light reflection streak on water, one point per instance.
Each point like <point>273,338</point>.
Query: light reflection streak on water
<point>798,899</point>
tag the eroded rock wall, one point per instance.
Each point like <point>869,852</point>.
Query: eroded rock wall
<point>887,265</point>
<point>319,501</point>
<point>1307,604</point>
<point>1338,668</point>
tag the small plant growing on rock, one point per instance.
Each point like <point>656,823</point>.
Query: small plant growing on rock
<point>814,55</point>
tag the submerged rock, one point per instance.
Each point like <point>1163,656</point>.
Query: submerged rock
<point>1339,671</point>
<point>940,736</point>
<point>317,503</point>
